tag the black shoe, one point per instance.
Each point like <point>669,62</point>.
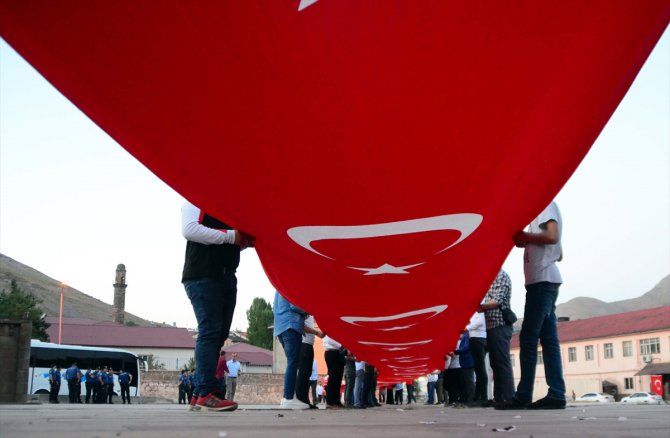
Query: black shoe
<point>548,403</point>
<point>513,404</point>
<point>313,406</point>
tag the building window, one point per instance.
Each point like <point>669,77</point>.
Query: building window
<point>572,354</point>
<point>627,348</point>
<point>540,358</point>
<point>628,383</point>
<point>511,360</point>
<point>588,352</point>
<point>609,351</point>
<point>650,346</point>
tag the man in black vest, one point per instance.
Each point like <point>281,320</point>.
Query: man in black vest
<point>212,256</point>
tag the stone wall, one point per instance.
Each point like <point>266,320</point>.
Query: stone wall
<point>257,389</point>
<point>15,353</point>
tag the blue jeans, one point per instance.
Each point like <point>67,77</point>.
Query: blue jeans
<point>350,380</point>
<point>358,388</point>
<point>213,302</point>
<point>291,340</point>
<point>431,392</point>
<point>539,322</point>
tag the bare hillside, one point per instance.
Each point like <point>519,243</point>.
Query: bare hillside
<point>76,304</point>
<point>584,307</point>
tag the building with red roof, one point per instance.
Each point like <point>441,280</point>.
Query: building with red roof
<point>620,354</point>
<point>171,346</point>
<point>253,359</point>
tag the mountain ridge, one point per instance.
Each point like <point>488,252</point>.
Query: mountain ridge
<point>76,304</point>
<point>586,307</point>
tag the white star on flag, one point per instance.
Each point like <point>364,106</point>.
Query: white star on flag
<point>387,269</point>
<point>305,4</point>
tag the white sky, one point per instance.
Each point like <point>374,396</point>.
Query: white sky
<point>74,204</point>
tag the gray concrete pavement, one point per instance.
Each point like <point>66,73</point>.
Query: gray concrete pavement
<point>165,421</point>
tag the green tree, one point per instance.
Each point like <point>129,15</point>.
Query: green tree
<point>17,304</point>
<point>260,317</point>
<point>154,364</point>
<point>190,365</point>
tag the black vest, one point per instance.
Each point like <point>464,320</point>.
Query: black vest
<point>213,261</point>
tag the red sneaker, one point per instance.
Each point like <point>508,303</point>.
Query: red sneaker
<point>193,405</point>
<point>211,402</point>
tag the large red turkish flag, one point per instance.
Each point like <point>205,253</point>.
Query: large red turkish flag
<point>657,385</point>
<point>382,152</point>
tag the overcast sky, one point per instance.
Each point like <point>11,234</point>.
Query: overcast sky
<point>74,204</point>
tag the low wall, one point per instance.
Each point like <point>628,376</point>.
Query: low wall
<point>15,353</point>
<point>265,389</point>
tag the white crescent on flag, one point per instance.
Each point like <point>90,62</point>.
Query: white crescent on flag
<point>429,312</point>
<point>465,223</point>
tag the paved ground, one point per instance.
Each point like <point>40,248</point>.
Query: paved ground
<point>164,421</point>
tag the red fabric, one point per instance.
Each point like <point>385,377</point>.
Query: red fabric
<point>657,385</point>
<point>351,113</point>
<point>221,368</point>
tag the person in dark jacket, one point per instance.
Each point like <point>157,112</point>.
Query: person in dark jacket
<point>211,260</point>
<point>125,379</point>
<point>467,369</point>
<point>54,382</point>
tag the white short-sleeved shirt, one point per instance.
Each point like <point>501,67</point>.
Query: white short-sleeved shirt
<point>540,260</point>
<point>331,344</point>
<point>455,361</point>
<point>477,326</point>
<point>308,338</point>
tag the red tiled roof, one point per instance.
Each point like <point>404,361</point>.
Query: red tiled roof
<point>110,334</point>
<point>80,321</point>
<point>639,321</point>
<point>250,354</point>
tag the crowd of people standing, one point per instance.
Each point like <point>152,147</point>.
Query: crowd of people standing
<point>213,254</point>
<point>99,384</point>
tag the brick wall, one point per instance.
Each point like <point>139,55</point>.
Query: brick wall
<point>265,389</point>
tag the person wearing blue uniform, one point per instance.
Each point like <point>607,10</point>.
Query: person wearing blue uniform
<point>102,386</point>
<point>190,388</point>
<point>96,383</point>
<point>183,385</point>
<point>73,377</point>
<point>89,381</point>
<point>110,385</point>
<point>125,379</point>
<point>54,381</point>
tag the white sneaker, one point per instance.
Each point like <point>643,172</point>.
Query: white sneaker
<point>293,403</point>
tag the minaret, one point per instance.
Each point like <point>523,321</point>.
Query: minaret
<point>118,313</point>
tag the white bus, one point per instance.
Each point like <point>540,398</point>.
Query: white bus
<point>44,355</point>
